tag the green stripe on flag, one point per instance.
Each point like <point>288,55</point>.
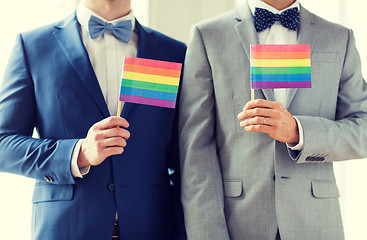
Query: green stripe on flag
<point>149,86</point>
<point>280,70</point>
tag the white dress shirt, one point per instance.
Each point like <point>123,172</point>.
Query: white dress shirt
<point>106,54</point>
<point>278,34</point>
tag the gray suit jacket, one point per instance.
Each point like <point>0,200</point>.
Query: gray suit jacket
<point>244,186</point>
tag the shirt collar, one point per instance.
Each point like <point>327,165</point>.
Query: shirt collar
<point>83,15</point>
<point>253,4</point>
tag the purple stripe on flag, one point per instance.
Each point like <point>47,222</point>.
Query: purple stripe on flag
<point>269,85</point>
<point>148,101</point>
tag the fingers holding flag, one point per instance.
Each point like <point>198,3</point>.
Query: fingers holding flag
<point>269,117</point>
<point>276,66</point>
<point>105,138</point>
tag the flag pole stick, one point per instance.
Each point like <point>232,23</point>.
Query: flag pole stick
<point>252,94</point>
<point>119,109</point>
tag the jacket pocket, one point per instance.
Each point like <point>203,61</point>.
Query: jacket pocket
<point>53,192</point>
<point>324,189</point>
<point>232,188</point>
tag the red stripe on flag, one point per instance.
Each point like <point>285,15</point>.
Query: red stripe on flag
<point>152,70</point>
<point>153,63</point>
<point>280,48</point>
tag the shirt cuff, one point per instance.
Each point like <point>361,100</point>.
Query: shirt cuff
<point>75,171</point>
<point>299,146</point>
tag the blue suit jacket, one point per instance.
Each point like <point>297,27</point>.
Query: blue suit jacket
<point>50,84</point>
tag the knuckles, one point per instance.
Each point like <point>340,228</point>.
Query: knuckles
<point>117,131</point>
<point>99,145</point>
<point>258,101</point>
<point>256,111</point>
<point>259,120</point>
<point>277,105</point>
<point>114,121</point>
<point>96,137</point>
<point>111,121</point>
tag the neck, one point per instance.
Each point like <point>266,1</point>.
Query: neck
<point>279,4</point>
<point>109,9</point>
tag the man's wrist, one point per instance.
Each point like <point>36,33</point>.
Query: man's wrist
<point>299,145</point>
<point>82,161</point>
<point>78,167</point>
<point>74,160</point>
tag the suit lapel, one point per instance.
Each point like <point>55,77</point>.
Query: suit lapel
<point>68,37</point>
<point>246,32</point>
<point>307,35</point>
<point>147,46</point>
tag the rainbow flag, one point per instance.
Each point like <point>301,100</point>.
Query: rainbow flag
<point>280,66</point>
<point>150,82</point>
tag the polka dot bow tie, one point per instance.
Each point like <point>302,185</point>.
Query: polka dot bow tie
<point>265,19</point>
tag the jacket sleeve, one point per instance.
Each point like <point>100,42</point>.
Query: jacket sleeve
<point>345,137</point>
<point>42,159</point>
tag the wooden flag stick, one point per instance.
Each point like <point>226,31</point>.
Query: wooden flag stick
<point>119,109</point>
<point>252,94</point>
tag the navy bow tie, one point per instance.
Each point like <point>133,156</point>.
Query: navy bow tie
<point>265,19</point>
<point>121,30</point>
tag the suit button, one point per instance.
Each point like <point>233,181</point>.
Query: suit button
<point>49,179</point>
<point>111,187</point>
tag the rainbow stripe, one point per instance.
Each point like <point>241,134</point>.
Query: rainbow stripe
<point>280,66</point>
<point>150,82</point>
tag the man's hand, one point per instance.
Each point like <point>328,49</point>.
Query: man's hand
<point>105,138</point>
<point>269,117</point>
